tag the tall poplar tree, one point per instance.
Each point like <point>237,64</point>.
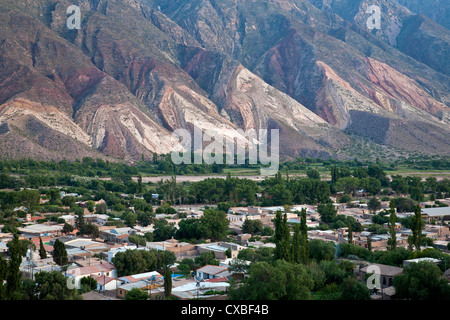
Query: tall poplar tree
<point>167,282</point>
<point>417,226</point>
<point>392,241</point>
<point>42,252</point>
<point>13,273</point>
<point>282,238</point>
<point>304,251</point>
<point>60,253</point>
<point>296,255</point>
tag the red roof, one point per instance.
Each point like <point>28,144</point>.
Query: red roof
<point>221,279</point>
<point>102,279</point>
<point>102,267</point>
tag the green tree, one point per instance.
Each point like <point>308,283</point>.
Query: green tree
<point>163,230</point>
<point>13,275</point>
<point>421,281</point>
<point>206,258</point>
<point>53,286</point>
<point>60,253</point>
<point>281,281</point>
<point>167,282</point>
<point>304,250</point>
<point>67,228</point>
<point>392,241</point>
<point>313,174</point>
<point>42,252</point>
<point>216,224</point>
<point>136,294</point>
<point>353,289</point>
<point>417,226</point>
<point>374,204</point>
<point>295,247</point>
<point>88,284</point>
<point>320,250</point>
<point>327,212</point>
<point>282,238</point>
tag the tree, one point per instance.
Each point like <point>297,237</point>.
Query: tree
<point>130,218</point>
<point>191,229</point>
<point>88,284</point>
<point>13,275</point>
<point>163,230</point>
<point>90,205</point>
<point>421,281</point>
<point>53,286</point>
<point>320,250</point>
<point>282,238</point>
<point>347,185</point>
<point>252,226</point>
<point>67,228</point>
<point>369,243</point>
<point>60,253</point>
<point>295,247</point>
<point>145,218</point>
<point>303,238</point>
<point>216,224</point>
<point>313,174</point>
<point>392,241</point>
<point>206,258</point>
<point>42,252</point>
<point>281,281</point>
<point>327,212</point>
<point>136,294</point>
<point>353,289</point>
<point>167,282</point>
<point>417,226</point>
<point>350,234</point>
<point>374,204</point>
<point>3,275</point>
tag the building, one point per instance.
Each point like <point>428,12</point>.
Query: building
<point>212,272</point>
<point>103,269</point>
<point>105,283</point>
<point>436,214</point>
<point>387,274</point>
<point>180,249</point>
<point>118,235</point>
<point>41,230</point>
<point>220,249</point>
<point>407,263</point>
<point>153,282</point>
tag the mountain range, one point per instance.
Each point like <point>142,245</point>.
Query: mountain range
<point>139,69</point>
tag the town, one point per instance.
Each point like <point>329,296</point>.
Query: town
<point>316,236</point>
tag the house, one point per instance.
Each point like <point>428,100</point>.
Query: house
<point>180,249</point>
<point>101,269</point>
<point>105,283</point>
<point>119,235</point>
<point>153,276</point>
<point>41,230</point>
<point>220,249</point>
<point>436,214</point>
<point>153,282</point>
<point>387,273</point>
<point>407,263</point>
<point>193,290</point>
<point>212,272</point>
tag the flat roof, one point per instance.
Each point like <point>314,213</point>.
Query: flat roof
<point>436,212</point>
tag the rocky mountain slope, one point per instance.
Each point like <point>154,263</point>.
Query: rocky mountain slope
<point>139,69</point>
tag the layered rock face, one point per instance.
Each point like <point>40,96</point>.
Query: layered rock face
<point>139,69</point>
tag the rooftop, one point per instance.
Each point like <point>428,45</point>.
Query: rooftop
<point>213,270</point>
